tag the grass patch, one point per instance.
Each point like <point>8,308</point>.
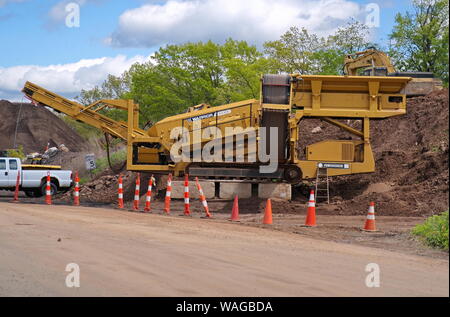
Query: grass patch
<point>434,231</point>
<point>84,180</point>
<point>102,163</point>
<point>85,131</point>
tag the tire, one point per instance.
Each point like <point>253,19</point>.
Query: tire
<point>293,174</point>
<point>53,189</point>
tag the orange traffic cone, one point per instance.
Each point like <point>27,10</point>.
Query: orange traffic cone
<point>311,214</point>
<point>370,221</point>
<point>148,197</point>
<point>268,213</point>
<point>137,192</point>
<point>187,207</point>
<point>120,193</point>
<point>168,194</point>
<point>235,210</point>
<point>203,199</point>
<point>16,191</point>
<point>76,193</point>
<point>48,191</point>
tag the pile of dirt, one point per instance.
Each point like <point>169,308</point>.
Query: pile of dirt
<point>103,189</point>
<point>36,127</point>
<point>411,154</point>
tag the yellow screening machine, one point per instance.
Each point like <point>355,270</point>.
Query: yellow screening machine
<point>286,101</point>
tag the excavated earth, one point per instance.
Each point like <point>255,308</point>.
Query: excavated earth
<point>411,153</point>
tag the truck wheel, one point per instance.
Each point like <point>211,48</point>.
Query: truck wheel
<point>53,189</point>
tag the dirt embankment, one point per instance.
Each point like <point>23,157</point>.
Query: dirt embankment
<point>103,189</point>
<point>411,154</point>
<point>36,127</point>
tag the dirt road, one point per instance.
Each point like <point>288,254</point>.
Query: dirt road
<point>122,253</point>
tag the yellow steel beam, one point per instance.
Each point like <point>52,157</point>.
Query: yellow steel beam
<point>85,114</point>
<point>344,126</point>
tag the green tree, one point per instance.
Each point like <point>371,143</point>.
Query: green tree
<point>243,66</point>
<point>88,96</point>
<point>350,38</point>
<point>114,87</point>
<point>298,51</point>
<point>180,76</point>
<point>294,51</point>
<point>419,39</point>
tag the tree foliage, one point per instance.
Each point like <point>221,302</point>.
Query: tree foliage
<point>419,39</point>
<point>298,51</point>
<point>113,87</point>
<point>180,76</point>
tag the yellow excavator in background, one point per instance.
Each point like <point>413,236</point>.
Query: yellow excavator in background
<point>373,62</point>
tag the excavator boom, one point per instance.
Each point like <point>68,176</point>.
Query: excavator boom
<point>373,62</point>
<point>367,59</point>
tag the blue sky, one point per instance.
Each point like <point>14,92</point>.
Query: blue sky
<point>37,45</point>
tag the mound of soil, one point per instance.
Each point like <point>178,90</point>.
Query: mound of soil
<point>411,154</point>
<point>103,189</point>
<point>36,127</point>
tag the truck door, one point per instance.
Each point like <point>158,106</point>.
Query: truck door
<point>13,171</point>
<point>4,178</point>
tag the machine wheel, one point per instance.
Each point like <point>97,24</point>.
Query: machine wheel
<point>292,174</point>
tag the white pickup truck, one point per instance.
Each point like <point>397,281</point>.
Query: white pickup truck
<point>33,178</point>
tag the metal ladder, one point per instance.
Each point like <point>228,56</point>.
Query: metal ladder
<point>322,192</point>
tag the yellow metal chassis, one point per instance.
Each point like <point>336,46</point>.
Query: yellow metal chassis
<point>329,98</point>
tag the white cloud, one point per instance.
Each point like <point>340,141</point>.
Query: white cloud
<point>178,21</point>
<point>67,79</point>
